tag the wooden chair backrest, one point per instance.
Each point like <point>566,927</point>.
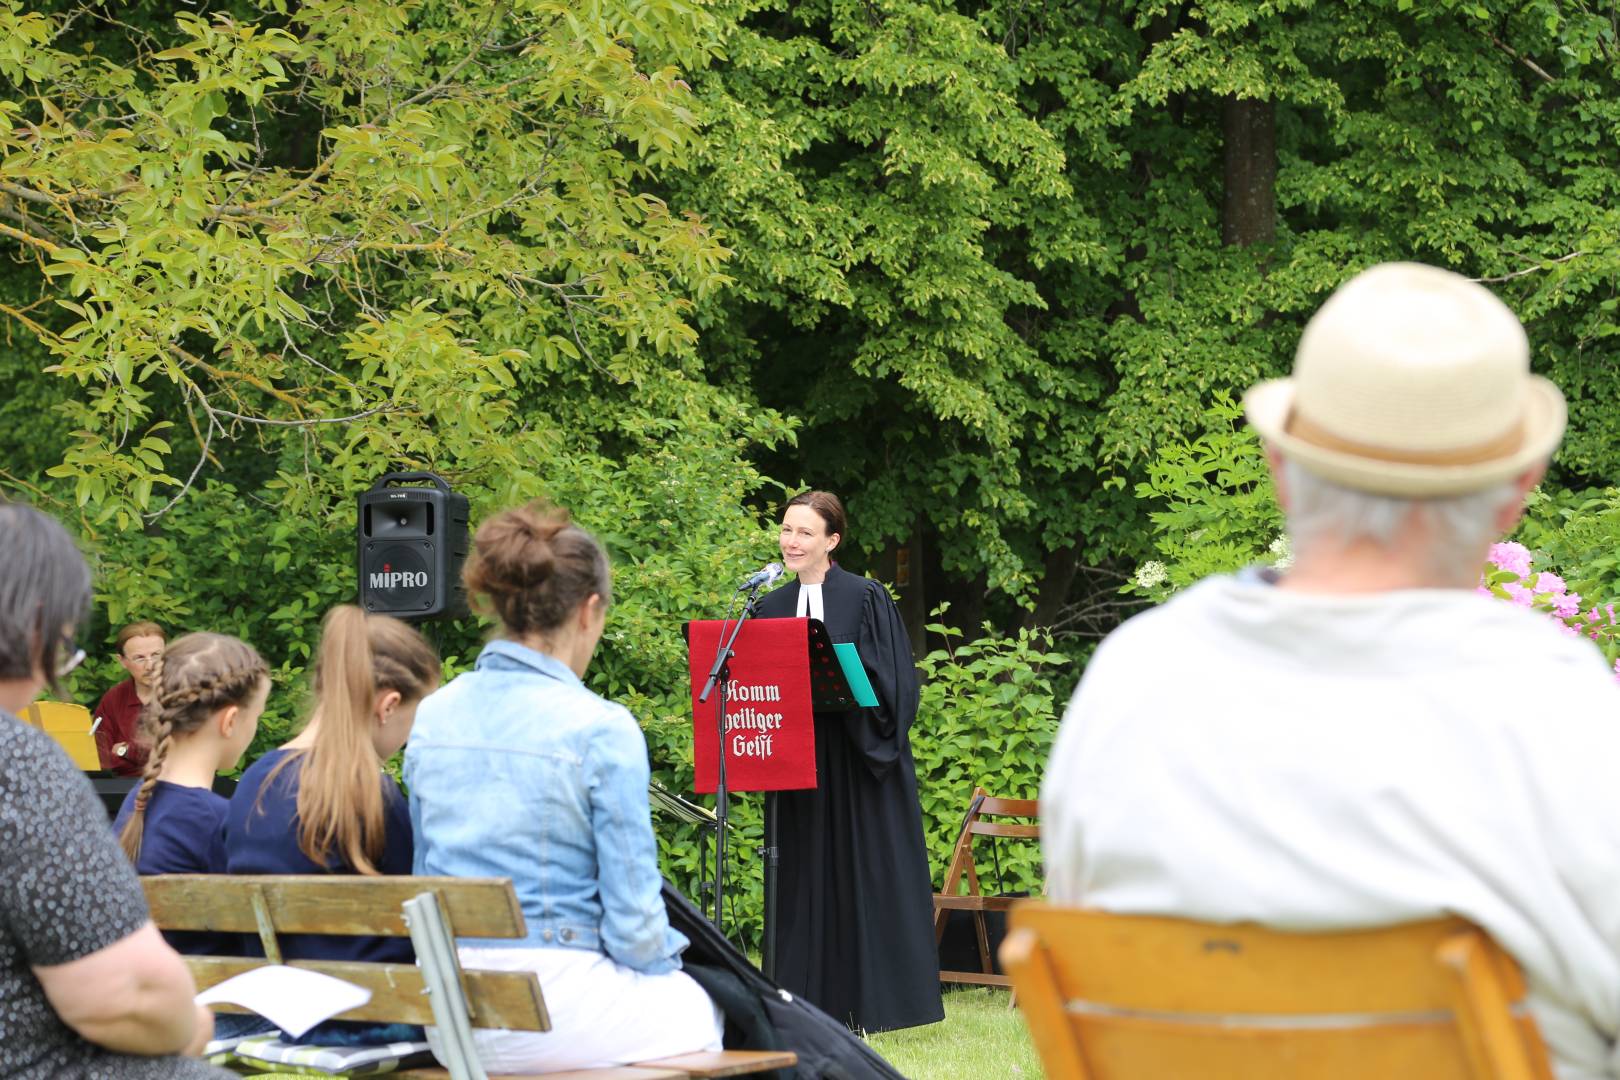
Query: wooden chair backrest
<point>981,806</point>
<point>270,905</point>
<point>1112,997</point>
<point>991,807</point>
<point>69,725</point>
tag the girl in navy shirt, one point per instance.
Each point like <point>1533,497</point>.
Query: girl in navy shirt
<point>208,693</point>
<point>322,803</point>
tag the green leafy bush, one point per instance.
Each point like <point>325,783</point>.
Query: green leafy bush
<point>989,712</point>
<point>1578,533</point>
<point>1214,509</point>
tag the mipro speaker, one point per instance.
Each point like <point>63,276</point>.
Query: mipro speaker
<point>410,544</point>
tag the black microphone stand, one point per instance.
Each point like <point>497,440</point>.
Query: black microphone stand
<point>720,675</point>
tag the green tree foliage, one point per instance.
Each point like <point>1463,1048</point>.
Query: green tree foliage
<point>261,258</point>
<point>1403,130</point>
<point>442,228</point>
<point>991,333</point>
<point>992,269</point>
<point>865,157</point>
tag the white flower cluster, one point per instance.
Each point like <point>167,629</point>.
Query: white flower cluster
<point>1282,550</point>
<point>1151,573</point>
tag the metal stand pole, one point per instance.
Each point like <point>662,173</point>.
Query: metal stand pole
<point>721,808</point>
<point>719,675</point>
<point>767,955</point>
<point>705,888</point>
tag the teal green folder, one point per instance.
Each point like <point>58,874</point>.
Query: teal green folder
<point>855,672</point>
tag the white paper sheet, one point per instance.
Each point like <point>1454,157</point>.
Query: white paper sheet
<point>293,999</point>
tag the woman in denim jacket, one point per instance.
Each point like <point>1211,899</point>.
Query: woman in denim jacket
<point>516,770</point>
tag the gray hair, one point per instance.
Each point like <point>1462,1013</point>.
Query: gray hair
<point>1319,509</point>
<point>44,588</point>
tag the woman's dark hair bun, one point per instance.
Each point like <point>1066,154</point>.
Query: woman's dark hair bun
<point>514,549</point>
<point>535,566</point>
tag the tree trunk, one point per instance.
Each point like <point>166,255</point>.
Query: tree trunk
<point>969,608</point>
<point>903,566</point>
<point>1056,580</point>
<point>1249,206</point>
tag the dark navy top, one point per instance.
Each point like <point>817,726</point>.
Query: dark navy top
<point>261,837</point>
<point>184,834</point>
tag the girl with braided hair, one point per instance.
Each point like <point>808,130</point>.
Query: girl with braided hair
<point>208,692</point>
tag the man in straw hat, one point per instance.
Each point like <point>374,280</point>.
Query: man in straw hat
<point>1362,739</point>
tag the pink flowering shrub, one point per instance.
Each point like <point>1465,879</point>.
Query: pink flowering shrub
<point>1508,575</point>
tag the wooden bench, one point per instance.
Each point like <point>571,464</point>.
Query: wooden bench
<point>432,912</point>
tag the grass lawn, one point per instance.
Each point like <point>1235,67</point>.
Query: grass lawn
<point>981,1038</point>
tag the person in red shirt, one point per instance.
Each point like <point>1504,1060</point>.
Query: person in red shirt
<point>118,716</point>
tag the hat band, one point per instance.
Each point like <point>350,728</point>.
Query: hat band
<point>1502,446</point>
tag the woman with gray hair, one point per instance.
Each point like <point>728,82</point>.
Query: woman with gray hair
<point>88,988</point>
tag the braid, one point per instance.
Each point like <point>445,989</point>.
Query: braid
<point>203,691</point>
<point>135,827</point>
<point>197,676</point>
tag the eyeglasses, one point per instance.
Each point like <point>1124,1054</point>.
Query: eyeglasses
<point>74,657</point>
<point>144,661</point>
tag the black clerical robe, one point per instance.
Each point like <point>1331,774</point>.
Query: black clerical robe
<point>854,901</point>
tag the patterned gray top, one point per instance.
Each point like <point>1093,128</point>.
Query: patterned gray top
<point>66,891</point>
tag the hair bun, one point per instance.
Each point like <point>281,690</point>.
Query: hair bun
<point>514,550</point>
<point>536,524</point>
<point>534,565</point>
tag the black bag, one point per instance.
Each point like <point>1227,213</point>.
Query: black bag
<point>959,948</point>
<point>761,1015</point>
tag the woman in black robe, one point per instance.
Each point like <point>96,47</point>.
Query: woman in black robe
<point>854,928</point>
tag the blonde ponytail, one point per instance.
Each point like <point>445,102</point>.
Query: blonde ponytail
<point>340,795</point>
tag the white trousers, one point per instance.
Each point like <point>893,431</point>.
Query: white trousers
<point>602,1013</point>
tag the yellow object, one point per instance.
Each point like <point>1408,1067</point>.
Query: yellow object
<point>1114,997</point>
<point>69,725</point>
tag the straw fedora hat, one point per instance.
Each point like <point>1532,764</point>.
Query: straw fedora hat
<point>1411,381</point>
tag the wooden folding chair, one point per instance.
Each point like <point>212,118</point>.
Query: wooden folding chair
<point>963,870</point>
<point>1114,997</point>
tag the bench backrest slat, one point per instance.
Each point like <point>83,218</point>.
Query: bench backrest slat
<point>505,999</point>
<point>329,904</point>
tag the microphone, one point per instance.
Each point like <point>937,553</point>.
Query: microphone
<point>769,573</point>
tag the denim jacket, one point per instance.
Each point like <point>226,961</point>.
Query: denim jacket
<point>516,770</point>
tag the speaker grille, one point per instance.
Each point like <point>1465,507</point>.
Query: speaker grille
<point>398,576</point>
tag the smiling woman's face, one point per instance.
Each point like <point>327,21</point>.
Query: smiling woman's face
<point>807,548</point>
<point>805,544</point>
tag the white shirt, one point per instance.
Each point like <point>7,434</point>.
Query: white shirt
<point>810,601</point>
<point>1248,753</point>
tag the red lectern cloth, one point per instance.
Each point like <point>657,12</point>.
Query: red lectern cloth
<point>770,729</point>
